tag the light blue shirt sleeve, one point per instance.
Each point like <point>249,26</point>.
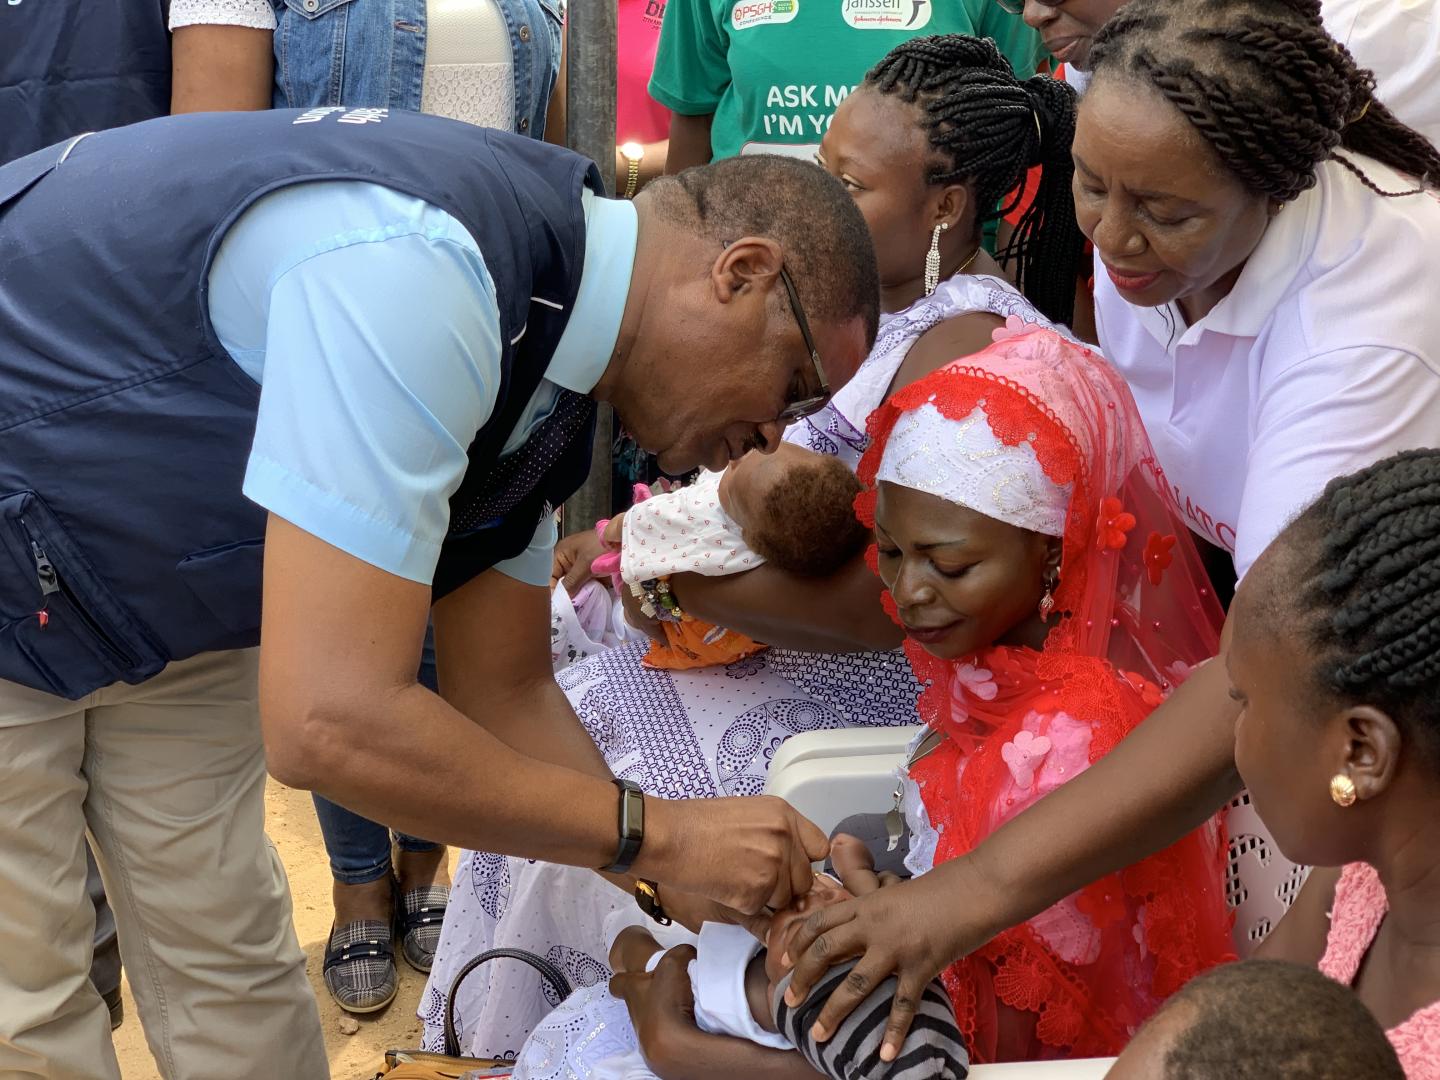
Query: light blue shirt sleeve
<point>369,319</point>
<point>532,566</point>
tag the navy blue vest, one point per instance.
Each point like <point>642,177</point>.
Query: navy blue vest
<point>68,66</point>
<point>125,541</point>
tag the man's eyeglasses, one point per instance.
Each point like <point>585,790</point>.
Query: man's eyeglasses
<point>1016,7</point>
<point>800,407</point>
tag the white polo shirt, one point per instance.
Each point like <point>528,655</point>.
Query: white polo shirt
<point>1399,40</point>
<point>1324,358</point>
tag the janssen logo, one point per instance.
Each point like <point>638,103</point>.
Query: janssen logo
<point>886,14</point>
<point>748,13</point>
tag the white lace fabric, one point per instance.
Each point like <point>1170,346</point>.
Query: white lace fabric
<point>480,94</point>
<point>255,14</point>
<point>469,69</point>
<point>963,462</point>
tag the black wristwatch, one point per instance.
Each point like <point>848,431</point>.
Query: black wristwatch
<point>632,826</point>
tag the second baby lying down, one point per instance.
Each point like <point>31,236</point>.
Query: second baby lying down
<point>734,985</point>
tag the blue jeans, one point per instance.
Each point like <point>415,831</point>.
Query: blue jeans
<point>359,848</point>
<point>105,967</point>
<point>371,54</point>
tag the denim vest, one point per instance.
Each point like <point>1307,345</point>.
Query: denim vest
<point>71,66</point>
<point>371,54</point>
<point>125,427</point>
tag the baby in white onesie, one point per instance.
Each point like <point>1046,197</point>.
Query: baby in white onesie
<point>793,508</point>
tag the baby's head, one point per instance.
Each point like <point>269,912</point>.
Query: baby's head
<point>934,1048</point>
<point>826,892</point>
<point>1336,661</point>
<point>795,508</point>
<point>1260,1020</point>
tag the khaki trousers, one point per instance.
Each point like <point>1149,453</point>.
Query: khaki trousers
<point>169,778</point>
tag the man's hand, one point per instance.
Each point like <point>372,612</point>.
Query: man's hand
<point>746,854</point>
<point>692,911</point>
<point>573,556</point>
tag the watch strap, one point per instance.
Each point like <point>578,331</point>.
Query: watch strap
<point>630,826</point>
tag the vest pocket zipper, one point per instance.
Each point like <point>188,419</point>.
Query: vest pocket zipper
<point>52,583</point>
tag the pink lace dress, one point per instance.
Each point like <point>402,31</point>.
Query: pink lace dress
<point>1359,909</point>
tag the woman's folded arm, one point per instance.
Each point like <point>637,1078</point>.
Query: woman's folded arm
<point>839,613</point>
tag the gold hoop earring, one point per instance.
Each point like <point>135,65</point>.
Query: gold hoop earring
<point>1342,790</point>
<point>932,259</point>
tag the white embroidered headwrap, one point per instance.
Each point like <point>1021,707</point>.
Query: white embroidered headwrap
<point>962,461</point>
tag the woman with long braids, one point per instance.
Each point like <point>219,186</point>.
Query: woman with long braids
<point>1265,240</point>
<point>929,145</point>
<point>975,116</point>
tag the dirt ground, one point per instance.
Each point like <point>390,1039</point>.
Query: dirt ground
<point>290,819</point>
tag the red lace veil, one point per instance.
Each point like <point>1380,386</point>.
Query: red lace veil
<point>1135,614</point>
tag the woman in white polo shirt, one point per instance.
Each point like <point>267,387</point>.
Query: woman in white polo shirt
<point>1261,275</point>
<point>1267,257</point>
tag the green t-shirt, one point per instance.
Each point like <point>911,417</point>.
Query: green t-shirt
<point>773,71</point>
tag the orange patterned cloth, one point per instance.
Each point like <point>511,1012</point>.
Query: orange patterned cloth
<point>695,644</point>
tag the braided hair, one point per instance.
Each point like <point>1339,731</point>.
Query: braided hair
<point>987,129</point>
<point>1267,87</point>
<point>1366,580</point>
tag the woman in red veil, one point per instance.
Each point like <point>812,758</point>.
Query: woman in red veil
<point>1052,598</point>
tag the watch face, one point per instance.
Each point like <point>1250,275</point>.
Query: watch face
<point>632,151</point>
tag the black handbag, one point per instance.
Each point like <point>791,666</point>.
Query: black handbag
<point>452,1065</point>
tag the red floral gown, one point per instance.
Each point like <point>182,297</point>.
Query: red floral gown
<point>1135,615</point>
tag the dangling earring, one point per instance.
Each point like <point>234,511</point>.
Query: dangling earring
<point>1342,790</point>
<point>932,259</point>
<point>1047,602</point>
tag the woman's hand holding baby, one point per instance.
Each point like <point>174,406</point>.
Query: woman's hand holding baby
<point>662,1008</point>
<point>907,929</point>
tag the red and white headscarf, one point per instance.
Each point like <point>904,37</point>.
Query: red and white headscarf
<point>1041,433</point>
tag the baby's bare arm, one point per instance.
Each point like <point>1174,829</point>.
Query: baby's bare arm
<point>854,865</point>
<point>632,950</point>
